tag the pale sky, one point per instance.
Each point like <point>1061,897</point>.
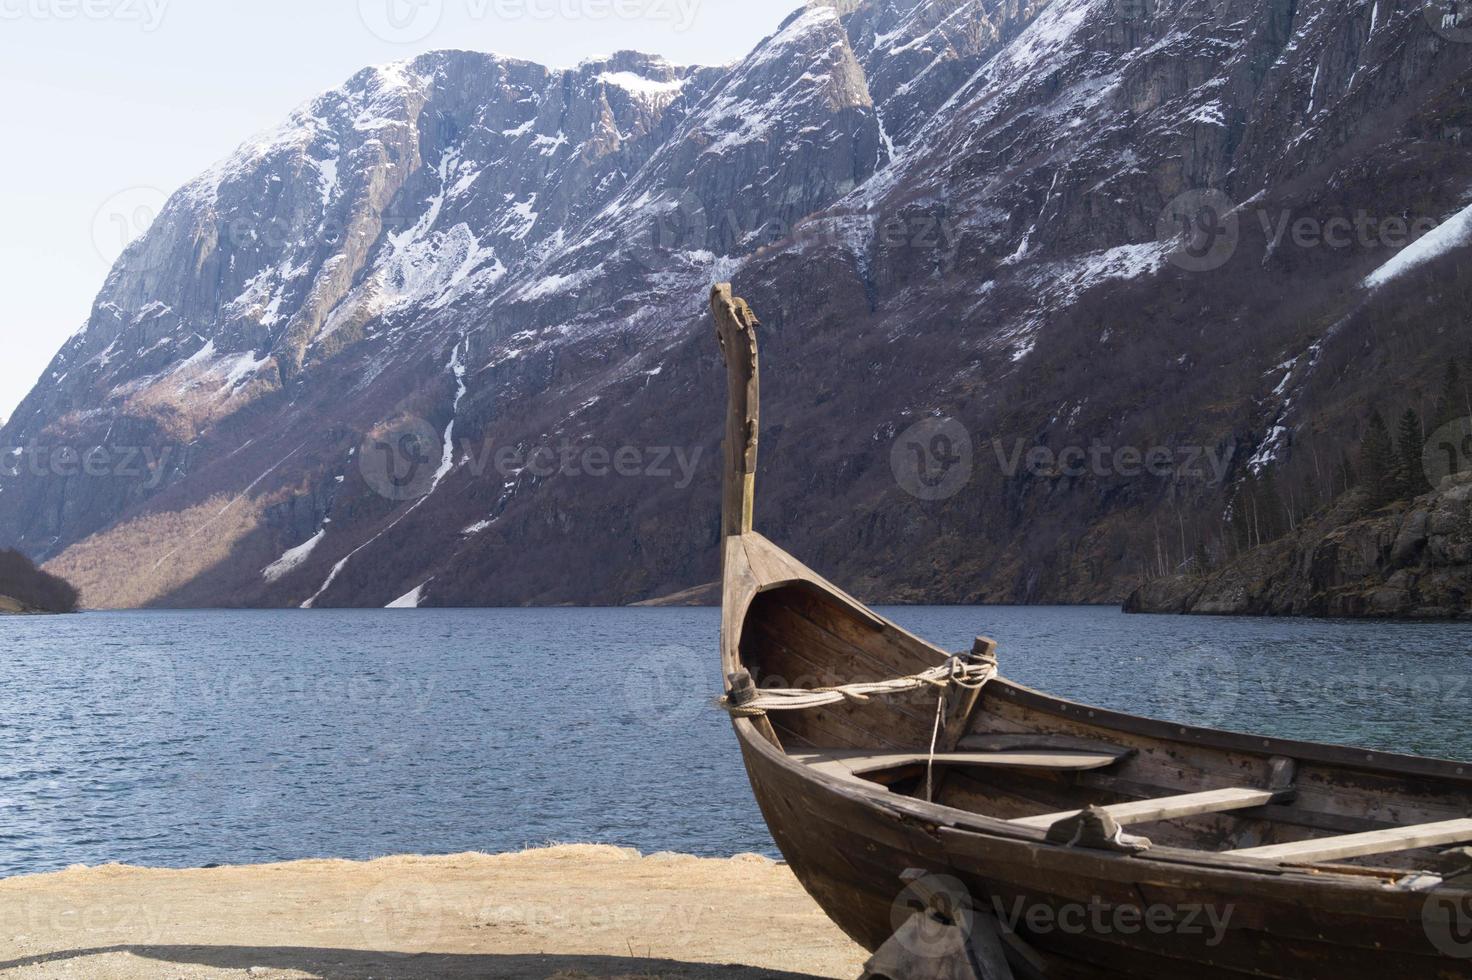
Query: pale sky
<point>109,105</point>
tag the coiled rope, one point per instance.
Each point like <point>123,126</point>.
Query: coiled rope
<point>968,673</point>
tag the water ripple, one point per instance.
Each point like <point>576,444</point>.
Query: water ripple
<point>188,739</point>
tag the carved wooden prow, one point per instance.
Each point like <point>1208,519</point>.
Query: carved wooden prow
<point>736,330</point>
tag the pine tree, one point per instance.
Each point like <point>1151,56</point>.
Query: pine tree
<point>1311,500</point>
<point>1451,404</point>
<point>1202,561</point>
<point>1274,514</point>
<point>1412,480</point>
<point>1377,462</point>
<point>1344,475</point>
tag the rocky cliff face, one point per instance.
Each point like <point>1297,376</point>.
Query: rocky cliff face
<point>440,338</point>
<point>1409,561</point>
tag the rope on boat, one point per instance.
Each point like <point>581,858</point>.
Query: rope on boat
<point>963,672</point>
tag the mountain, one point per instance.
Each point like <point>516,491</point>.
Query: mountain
<point>440,339</point>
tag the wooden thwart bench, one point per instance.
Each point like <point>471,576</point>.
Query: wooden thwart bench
<point>1372,842</point>
<point>855,765</point>
<point>1171,807</point>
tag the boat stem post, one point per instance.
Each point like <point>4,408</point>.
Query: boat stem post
<point>736,330</point>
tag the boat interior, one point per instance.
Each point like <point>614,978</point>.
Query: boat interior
<point>1012,754</point>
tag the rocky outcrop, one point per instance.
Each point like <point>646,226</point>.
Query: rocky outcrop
<point>1409,561</point>
<point>25,589</point>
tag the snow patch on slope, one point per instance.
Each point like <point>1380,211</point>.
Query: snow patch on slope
<point>293,558</point>
<point>410,600</point>
<point>1454,233</point>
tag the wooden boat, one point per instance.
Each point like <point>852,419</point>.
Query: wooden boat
<point>961,825</point>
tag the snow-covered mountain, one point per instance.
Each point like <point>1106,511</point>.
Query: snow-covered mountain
<point>473,266</point>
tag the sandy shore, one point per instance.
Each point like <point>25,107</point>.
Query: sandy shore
<point>570,913</point>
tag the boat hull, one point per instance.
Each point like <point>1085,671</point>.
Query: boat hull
<point>1085,914</point>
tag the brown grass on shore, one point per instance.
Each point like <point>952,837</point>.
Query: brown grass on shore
<point>563,913</point>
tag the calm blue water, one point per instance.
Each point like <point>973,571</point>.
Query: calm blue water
<point>185,739</point>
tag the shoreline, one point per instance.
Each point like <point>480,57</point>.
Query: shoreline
<point>575,912</point>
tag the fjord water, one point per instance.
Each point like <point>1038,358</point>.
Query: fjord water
<point>187,739</point>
